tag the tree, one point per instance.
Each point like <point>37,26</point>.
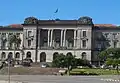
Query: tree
<point>111,57</point>
<point>65,61</point>
<point>115,52</point>
<point>59,61</point>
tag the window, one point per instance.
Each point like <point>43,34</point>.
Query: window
<point>115,44</point>
<point>3,55</point>
<point>84,55</point>
<point>84,33</point>
<point>99,45</point>
<point>83,43</point>
<point>114,35</point>
<point>18,34</point>
<point>29,33</point>
<point>4,34</point>
<point>106,35</point>
<point>17,55</point>
<point>29,43</point>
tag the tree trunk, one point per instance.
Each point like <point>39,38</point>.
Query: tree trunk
<point>68,70</point>
<point>117,70</point>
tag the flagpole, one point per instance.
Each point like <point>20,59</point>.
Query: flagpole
<point>55,12</point>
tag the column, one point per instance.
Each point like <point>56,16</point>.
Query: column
<point>7,43</point>
<point>75,38</point>
<point>48,37</point>
<point>51,38</point>
<point>78,40</point>
<point>0,40</point>
<point>64,38</point>
<point>61,43</point>
<point>39,39</point>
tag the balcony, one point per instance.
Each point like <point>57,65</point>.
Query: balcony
<point>84,38</point>
<point>115,40</point>
<point>30,38</point>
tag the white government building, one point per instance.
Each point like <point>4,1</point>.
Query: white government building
<point>41,40</point>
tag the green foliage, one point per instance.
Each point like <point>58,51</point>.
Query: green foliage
<point>109,61</point>
<point>59,61</point>
<point>69,61</point>
<point>112,57</point>
<point>64,61</point>
<point>89,71</point>
<point>107,53</point>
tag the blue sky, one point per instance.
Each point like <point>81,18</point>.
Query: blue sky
<point>101,11</point>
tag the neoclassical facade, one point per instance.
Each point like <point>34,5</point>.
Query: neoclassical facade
<point>42,39</point>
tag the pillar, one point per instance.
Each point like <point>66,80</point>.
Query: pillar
<point>64,38</point>
<point>61,43</point>
<point>39,39</point>
<point>7,43</point>
<point>51,38</point>
<point>0,40</point>
<point>48,37</point>
<point>74,38</point>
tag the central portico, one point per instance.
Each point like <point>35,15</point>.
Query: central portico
<point>44,38</point>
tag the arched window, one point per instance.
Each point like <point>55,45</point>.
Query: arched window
<point>43,57</point>
<point>69,54</point>
<point>10,55</point>
<point>3,55</point>
<point>55,55</point>
<point>84,55</point>
<point>17,55</point>
<point>28,55</point>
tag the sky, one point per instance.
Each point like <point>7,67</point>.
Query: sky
<point>101,11</point>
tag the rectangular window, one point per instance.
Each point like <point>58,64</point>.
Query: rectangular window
<point>18,34</point>
<point>29,33</point>
<point>115,44</point>
<point>29,43</point>
<point>83,43</point>
<point>99,45</point>
<point>114,35</point>
<point>84,33</point>
<point>4,34</point>
<point>106,35</point>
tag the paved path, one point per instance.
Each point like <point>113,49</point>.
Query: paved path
<point>60,79</point>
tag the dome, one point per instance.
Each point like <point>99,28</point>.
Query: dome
<point>30,20</point>
<point>85,20</point>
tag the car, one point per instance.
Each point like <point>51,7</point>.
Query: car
<point>27,62</point>
<point>44,65</point>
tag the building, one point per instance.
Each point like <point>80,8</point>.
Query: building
<point>41,40</point>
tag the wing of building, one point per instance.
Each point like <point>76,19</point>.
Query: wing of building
<point>42,39</point>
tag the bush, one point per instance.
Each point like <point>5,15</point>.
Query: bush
<point>83,73</point>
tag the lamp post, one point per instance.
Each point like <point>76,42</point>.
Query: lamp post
<point>22,51</point>
<point>9,60</point>
<point>99,56</point>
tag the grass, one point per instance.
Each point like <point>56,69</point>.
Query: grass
<point>97,71</point>
<point>29,71</point>
<point>51,71</point>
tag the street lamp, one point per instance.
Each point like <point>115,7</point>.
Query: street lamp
<point>99,56</point>
<point>9,60</point>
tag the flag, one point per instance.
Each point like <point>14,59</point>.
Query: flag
<point>56,11</point>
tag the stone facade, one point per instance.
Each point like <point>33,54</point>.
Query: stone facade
<point>41,39</point>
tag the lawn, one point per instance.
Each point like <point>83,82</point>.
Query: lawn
<point>29,71</point>
<point>94,71</point>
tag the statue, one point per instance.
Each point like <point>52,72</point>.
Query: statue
<point>85,20</point>
<point>31,20</point>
